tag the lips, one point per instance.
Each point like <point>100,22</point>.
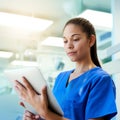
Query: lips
<point>71,53</point>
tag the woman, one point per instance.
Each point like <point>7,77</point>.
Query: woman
<point>84,93</point>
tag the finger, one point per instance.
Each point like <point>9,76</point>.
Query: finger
<point>37,116</point>
<point>28,118</point>
<point>44,93</point>
<point>19,86</point>
<point>20,90</point>
<point>27,84</point>
<point>28,113</point>
<point>18,83</point>
<point>44,90</point>
<point>22,104</point>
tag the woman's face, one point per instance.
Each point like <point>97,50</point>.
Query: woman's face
<point>76,43</point>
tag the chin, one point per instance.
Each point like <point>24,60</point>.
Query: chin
<point>73,60</point>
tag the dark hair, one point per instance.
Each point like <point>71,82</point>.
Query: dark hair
<point>88,28</point>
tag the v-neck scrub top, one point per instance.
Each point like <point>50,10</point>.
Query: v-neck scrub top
<point>90,95</point>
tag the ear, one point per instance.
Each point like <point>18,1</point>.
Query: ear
<point>92,40</point>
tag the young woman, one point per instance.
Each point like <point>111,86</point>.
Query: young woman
<point>84,93</point>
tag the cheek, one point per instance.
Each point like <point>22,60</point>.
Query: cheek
<point>83,49</point>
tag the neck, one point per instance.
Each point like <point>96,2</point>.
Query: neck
<point>83,66</point>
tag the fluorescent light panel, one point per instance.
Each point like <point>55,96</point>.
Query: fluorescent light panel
<point>101,20</point>
<point>24,22</point>
<point>6,55</point>
<point>53,41</point>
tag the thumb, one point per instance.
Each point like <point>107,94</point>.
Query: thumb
<point>44,92</point>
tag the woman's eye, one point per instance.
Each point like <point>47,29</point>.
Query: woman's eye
<point>65,41</point>
<point>76,39</point>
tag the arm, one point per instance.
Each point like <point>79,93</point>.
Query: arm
<point>38,102</point>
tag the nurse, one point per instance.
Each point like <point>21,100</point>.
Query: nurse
<point>84,93</point>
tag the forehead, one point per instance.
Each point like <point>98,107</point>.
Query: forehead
<point>71,29</point>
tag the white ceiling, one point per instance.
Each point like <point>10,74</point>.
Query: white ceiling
<point>59,11</point>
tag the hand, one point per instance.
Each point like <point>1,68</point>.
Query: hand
<point>30,116</point>
<point>38,101</point>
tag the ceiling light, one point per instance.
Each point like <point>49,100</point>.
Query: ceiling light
<point>6,55</point>
<point>53,41</point>
<point>24,63</point>
<point>101,20</point>
<point>24,22</point>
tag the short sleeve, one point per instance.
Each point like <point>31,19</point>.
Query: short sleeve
<point>101,99</point>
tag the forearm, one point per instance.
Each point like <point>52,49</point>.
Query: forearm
<point>53,116</point>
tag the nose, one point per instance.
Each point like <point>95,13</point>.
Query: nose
<point>70,45</point>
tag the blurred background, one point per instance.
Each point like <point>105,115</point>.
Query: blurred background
<point>31,35</point>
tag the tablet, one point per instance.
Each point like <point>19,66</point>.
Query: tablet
<point>36,79</point>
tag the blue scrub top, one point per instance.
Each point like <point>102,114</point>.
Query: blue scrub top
<point>90,95</point>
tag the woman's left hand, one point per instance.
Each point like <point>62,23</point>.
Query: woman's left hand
<point>38,101</point>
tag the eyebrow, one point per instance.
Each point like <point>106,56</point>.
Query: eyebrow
<point>72,35</point>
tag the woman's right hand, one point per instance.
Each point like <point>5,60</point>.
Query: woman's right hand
<point>30,116</point>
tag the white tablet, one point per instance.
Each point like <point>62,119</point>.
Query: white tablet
<point>36,79</point>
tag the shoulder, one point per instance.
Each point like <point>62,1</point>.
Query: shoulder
<point>100,77</point>
<point>99,73</point>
